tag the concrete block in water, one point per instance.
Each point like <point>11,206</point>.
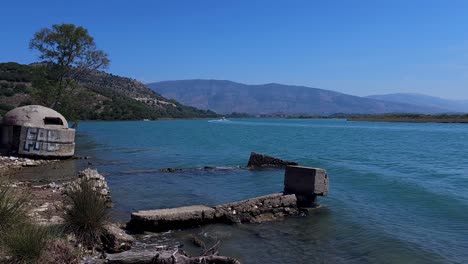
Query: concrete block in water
<point>174,218</point>
<point>306,181</point>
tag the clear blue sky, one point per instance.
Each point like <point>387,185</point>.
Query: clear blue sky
<point>352,46</point>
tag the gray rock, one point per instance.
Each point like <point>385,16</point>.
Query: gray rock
<point>115,239</point>
<point>98,182</point>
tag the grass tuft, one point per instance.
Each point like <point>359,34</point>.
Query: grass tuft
<point>12,207</point>
<point>87,213</point>
<point>26,242</point>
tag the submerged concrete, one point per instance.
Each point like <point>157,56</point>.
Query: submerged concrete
<point>257,160</point>
<point>256,210</point>
<point>174,218</point>
<point>301,187</point>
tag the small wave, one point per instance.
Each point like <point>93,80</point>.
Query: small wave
<point>174,170</point>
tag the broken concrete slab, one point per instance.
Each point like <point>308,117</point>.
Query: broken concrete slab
<point>174,218</point>
<point>257,160</point>
<point>258,210</point>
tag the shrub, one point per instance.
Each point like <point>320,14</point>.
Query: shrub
<point>12,208</point>
<point>87,213</point>
<point>26,242</point>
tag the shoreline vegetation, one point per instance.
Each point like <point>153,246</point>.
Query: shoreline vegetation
<point>404,118</point>
<point>69,222</point>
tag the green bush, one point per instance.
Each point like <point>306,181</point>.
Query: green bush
<point>87,213</point>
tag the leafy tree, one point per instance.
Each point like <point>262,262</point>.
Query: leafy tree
<point>70,54</point>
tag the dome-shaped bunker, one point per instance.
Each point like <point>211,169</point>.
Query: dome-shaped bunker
<point>35,130</point>
<point>35,116</point>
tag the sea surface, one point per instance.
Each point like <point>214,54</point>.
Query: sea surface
<point>398,191</point>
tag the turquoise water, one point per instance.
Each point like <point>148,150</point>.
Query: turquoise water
<point>398,191</point>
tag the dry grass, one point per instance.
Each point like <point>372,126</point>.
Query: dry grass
<point>12,207</point>
<point>26,242</point>
<point>87,214</point>
<point>57,252</point>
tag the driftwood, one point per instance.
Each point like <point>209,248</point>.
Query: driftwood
<point>166,256</point>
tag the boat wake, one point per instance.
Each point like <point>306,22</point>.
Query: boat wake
<point>223,119</point>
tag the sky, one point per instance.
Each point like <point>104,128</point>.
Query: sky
<point>358,47</point>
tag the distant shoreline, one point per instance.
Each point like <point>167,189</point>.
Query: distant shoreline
<point>455,119</point>
<point>410,120</point>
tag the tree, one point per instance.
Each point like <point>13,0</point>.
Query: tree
<point>70,54</point>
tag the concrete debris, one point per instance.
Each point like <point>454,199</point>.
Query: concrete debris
<point>256,210</point>
<point>257,160</point>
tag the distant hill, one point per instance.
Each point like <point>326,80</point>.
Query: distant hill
<point>424,100</point>
<point>103,96</point>
<point>227,97</point>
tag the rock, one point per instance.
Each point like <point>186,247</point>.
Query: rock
<point>170,170</point>
<point>259,160</point>
<point>174,218</point>
<point>115,240</point>
<point>98,182</point>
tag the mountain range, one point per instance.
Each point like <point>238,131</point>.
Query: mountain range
<point>227,97</point>
<point>424,100</point>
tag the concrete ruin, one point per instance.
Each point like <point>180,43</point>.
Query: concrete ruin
<point>257,160</point>
<point>301,187</point>
<point>255,210</point>
<point>36,131</point>
<point>306,183</point>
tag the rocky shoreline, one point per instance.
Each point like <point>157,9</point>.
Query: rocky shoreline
<point>11,164</point>
<point>48,202</point>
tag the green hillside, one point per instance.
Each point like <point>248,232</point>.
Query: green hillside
<point>99,96</point>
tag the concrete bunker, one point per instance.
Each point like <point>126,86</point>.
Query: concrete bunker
<point>36,131</point>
